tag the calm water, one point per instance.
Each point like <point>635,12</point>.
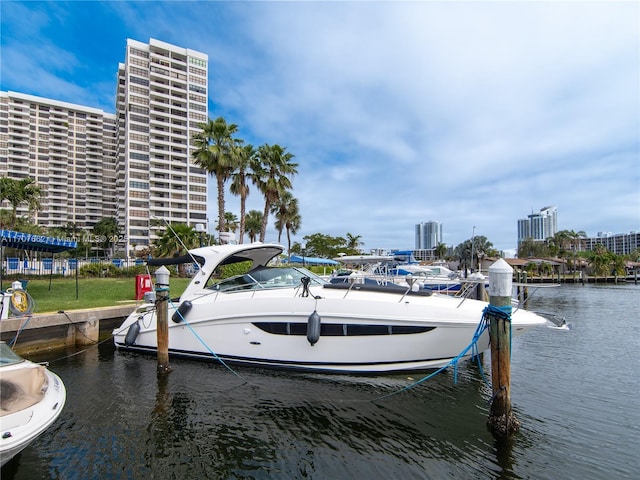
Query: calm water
<point>576,394</point>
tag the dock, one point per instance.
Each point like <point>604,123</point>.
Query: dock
<point>49,331</point>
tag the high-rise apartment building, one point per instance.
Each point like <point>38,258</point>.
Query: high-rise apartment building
<point>69,150</point>
<point>428,235</point>
<point>161,101</point>
<point>538,226</point>
<point>135,165</point>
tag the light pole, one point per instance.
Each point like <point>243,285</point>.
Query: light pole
<point>200,228</point>
<point>473,238</point>
<point>304,247</point>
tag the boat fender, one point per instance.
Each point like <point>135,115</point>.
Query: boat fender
<point>313,328</point>
<point>132,334</point>
<point>179,315</point>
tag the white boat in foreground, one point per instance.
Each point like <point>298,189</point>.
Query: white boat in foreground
<point>31,399</point>
<point>288,317</point>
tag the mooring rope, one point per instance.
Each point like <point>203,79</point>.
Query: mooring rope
<point>503,313</point>
<point>489,310</point>
<point>14,340</point>
<point>204,343</point>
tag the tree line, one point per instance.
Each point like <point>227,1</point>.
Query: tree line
<point>567,245</point>
<point>270,169</point>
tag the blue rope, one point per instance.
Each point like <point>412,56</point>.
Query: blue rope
<point>13,341</point>
<point>503,313</point>
<point>489,310</point>
<point>204,343</point>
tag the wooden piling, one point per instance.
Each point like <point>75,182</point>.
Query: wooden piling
<point>162,320</point>
<point>501,420</point>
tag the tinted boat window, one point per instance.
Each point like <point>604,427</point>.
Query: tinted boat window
<point>339,330</point>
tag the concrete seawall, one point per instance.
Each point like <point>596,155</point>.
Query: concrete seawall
<point>50,331</point>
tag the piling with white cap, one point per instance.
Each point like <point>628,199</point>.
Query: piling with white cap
<point>162,323</point>
<point>501,418</point>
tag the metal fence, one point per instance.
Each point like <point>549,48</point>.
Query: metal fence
<point>61,266</point>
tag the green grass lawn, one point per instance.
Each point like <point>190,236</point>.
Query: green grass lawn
<point>92,292</point>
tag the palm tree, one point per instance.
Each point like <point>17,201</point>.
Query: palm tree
<point>252,224</point>
<point>601,260</point>
<point>440,250</point>
<point>17,192</point>
<point>231,221</point>
<point>214,152</point>
<point>287,216</point>
<point>108,231</point>
<point>354,242</point>
<point>173,241</point>
<point>242,161</point>
<point>292,225</point>
<point>280,209</point>
<point>272,168</point>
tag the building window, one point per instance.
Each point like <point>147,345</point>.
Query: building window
<point>139,81</point>
<point>138,156</point>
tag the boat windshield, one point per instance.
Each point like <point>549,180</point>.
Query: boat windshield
<point>267,277</point>
<point>8,356</point>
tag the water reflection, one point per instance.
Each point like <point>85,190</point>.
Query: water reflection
<point>123,420</point>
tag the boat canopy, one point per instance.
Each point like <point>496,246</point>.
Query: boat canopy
<point>35,243</point>
<point>313,260</point>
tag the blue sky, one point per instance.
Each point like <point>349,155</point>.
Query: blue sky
<point>466,113</point>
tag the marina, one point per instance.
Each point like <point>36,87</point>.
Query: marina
<point>575,393</point>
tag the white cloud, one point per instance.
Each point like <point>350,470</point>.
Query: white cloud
<point>469,113</point>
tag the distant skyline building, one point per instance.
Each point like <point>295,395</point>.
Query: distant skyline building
<point>428,235</point>
<point>539,225</point>
<point>619,243</point>
<point>69,150</point>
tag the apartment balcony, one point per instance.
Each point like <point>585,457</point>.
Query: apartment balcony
<point>158,129</point>
<point>159,97</point>
<point>178,112</point>
<point>18,150</point>
<point>156,168</point>
<point>59,138</point>
<point>160,139</point>
<point>162,187</point>
<point>178,196</point>
<point>155,149</point>
<point>19,128</point>
<point>159,77</point>
<point>159,82</point>
<point>21,142</point>
<point>159,92</point>
<point>161,196</point>
<point>18,112</point>
<point>180,105</point>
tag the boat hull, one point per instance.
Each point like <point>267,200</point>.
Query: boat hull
<point>400,334</point>
<point>21,428</point>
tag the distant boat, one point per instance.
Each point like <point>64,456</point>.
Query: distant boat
<point>288,317</point>
<point>401,269</point>
<point>31,399</point>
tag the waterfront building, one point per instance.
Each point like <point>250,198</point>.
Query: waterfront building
<point>161,101</point>
<point>428,235</point>
<point>620,243</point>
<point>135,165</point>
<point>538,225</point>
<point>68,149</point>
